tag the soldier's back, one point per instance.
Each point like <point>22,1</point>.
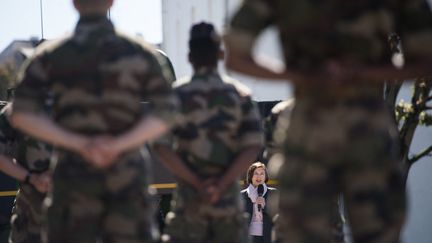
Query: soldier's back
<point>98,77</point>
<point>215,110</point>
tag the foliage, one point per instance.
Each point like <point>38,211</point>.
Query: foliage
<point>409,115</point>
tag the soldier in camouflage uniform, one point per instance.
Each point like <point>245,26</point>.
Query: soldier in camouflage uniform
<point>31,169</point>
<point>341,137</point>
<point>278,123</point>
<point>96,79</point>
<point>219,138</point>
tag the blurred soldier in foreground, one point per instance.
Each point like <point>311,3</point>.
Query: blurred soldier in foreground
<point>96,79</point>
<point>219,138</point>
<point>26,160</point>
<point>341,136</point>
<point>278,123</point>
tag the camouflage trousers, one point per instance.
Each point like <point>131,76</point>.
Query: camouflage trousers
<point>27,217</point>
<point>193,221</point>
<point>91,205</point>
<point>348,149</point>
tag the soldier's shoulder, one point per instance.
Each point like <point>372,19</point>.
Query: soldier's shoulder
<point>138,42</point>
<point>242,89</point>
<point>49,46</point>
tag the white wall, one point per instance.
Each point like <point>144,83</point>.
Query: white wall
<point>179,15</point>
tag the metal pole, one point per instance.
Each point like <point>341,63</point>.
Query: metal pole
<point>41,18</point>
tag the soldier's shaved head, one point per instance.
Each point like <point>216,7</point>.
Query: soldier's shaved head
<point>93,7</point>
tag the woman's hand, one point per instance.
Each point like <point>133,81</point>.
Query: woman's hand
<point>260,201</point>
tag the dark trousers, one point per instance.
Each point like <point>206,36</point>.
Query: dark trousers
<point>258,239</point>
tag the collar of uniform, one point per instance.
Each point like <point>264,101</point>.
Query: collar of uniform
<point>204,73</point>
<point>93,24</point>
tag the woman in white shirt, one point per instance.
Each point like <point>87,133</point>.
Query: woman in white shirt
<point>255,196</point>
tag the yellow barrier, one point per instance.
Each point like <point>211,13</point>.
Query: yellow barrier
<point>8,193</point>
<point>155,186</point>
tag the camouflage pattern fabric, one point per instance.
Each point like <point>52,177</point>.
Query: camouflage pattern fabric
<point>348,149</point>
<point>279,121</point>
<point>193,221</point>
<point>27,217</point>
<point>220,121</point>
<point>313,32</point>
<point>114,204</point>
<point>95,81</point>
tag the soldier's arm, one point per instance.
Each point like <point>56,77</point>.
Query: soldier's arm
<point>11,169</point>
<point>43,128</point>
<point>246,64</point>
<point>247,24</point>
<point>16,171</point>
<point>175,165</point>
<point>238,167</point>
<point>147,129</point>
<point>413,24</point>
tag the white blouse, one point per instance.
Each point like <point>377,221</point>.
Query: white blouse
<point>256,224</point>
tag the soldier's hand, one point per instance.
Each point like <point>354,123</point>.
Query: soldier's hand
<point>83,149</point>
<point>102,153</point>
<point>212,191</point>
<point>42,182</point>
<point>214,194</point>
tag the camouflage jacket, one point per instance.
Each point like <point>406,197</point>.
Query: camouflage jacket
<point>28,152</point>
<point>220,121</point>
<point>312,32</point>
<point>95,80</point>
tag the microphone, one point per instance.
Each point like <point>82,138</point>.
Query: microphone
<point>260,191</point>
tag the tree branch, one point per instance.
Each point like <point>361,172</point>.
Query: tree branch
<point>415,158</point>
<point>408,127</point>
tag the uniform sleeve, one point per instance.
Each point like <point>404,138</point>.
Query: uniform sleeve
<point>252,17</point>
<point>414,25</point>
<point>7,136</point>
<point>251,130</point>
<point>164,103</point>
<point>32,91</point>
